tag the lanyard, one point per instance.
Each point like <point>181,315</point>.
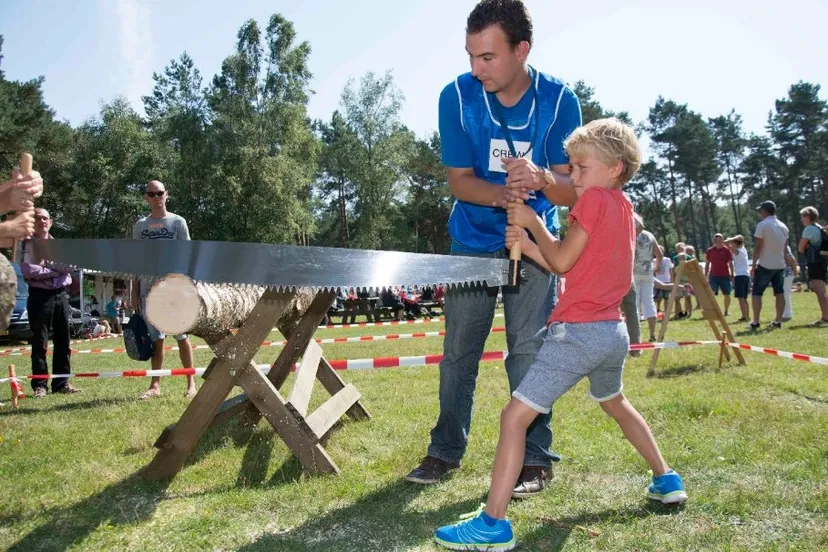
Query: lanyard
<point>505,126</point>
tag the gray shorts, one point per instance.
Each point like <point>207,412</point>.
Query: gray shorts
<point>570,352</point>
<point>154,333</point>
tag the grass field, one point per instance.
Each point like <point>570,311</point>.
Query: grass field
<point>751,443</point>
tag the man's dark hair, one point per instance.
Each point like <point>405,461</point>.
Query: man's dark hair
<point>510,15</point>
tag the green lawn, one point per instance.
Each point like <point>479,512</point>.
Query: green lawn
<point>750,442</point>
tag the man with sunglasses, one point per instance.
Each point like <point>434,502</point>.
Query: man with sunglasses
<point>160,225</point>
<point>502,127</point>
<point>49,311</point>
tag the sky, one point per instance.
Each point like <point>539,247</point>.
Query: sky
<point>712,55</point>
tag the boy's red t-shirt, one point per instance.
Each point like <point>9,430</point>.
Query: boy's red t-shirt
<point>602,275</point>
<point>719,259</point>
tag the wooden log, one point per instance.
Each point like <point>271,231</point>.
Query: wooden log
<point>176,305</point>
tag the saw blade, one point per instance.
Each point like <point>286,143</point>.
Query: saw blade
<point>276,266</point>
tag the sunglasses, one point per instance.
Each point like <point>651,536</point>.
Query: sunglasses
<point>156,194</point>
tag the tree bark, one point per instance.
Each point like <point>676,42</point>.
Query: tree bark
<point>176,304</point>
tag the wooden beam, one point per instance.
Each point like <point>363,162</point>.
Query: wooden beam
<point>331,381</point>
<point>296,434</point>
<point>305,377</point>
<point>327,415</point>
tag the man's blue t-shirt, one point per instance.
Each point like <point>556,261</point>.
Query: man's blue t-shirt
<point>471,136</point>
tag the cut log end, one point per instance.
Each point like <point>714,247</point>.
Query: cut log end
<point>173,304</point>
<point>177,305</point>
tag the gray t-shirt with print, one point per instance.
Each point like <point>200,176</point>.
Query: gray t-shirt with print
<point>170,227</point>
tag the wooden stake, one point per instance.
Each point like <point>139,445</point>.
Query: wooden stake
<point>16,390</point>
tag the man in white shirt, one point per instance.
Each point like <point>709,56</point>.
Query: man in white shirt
<point>771,238</point>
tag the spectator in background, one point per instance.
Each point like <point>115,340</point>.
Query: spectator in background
<point>392,300</point>
<point>160,224</point>
<point>646,249</point>
<point>439,295</point>
<point>741,281</point>
<point>49,313</point>
<point>112,313</point>
<point>677,257</point>
<point>809,246</point>
<point>719,270</point>
<point>768,268</point>
<point>685,290</point>
<point>664,275</point>
<point>95,307</point>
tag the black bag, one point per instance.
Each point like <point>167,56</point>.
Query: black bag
<point>823,248</point>
<point>137,339</point>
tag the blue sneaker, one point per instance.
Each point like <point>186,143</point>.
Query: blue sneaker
<point>668,489</point>
<point>476,531</point>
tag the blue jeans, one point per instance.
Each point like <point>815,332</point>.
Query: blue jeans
<point>469,315</point>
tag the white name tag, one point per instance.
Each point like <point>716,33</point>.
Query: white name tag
<point>499,149</point>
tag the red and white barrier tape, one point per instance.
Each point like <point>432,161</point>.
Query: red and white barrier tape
<point>669,345</point>
<point>393,362</point>
<point>392,323</point>
<point>783,354</point>
<point>73,342</point>
<point>322,341</point>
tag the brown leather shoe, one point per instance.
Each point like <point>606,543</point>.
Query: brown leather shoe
<point>68,389</point>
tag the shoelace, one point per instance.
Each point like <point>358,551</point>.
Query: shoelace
<point>470,515</point>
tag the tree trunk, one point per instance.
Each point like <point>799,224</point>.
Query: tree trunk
<point>825,192</point>
<point>343,215</point>
<point>8,292</point>
<point>694,239</point>
<point>176,304</point>
<point>733,206</point>
<point>675,201</point>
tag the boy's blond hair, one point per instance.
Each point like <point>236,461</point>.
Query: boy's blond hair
<point>609,140</point>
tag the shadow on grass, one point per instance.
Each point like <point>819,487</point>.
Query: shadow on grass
<point>555,532</point>
<point>125,502</point>
<point>380,521</point>
<point>678,371</point>
<point>808,327</point>
<point>67,407</point>
<point>763,330</point>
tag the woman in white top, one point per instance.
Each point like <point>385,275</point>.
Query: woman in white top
<point>741,267</point>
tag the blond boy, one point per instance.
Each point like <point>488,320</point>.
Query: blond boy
<point>585,336</point>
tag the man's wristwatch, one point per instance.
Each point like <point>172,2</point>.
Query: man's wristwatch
<point>549,180</point>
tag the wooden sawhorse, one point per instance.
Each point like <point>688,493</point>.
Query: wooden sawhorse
<point>304,433</point>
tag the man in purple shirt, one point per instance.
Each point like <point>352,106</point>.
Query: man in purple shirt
<point>48,307</point>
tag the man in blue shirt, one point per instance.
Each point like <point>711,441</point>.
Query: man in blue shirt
<point>502,128</point>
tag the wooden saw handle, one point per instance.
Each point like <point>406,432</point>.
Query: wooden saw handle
<point>25,170</point>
